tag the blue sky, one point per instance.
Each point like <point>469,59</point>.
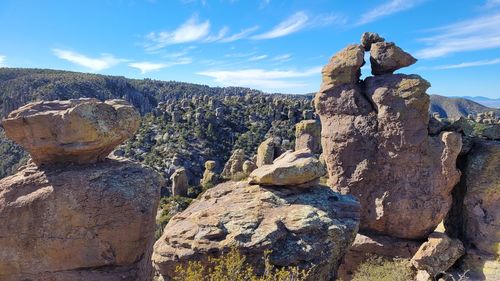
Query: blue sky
<point>271,45</point>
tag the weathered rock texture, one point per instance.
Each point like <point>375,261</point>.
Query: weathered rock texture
<point>180,183</point>
<point>377,147</point>
<point>78,222</point>
<point>305,228</point>
<point>290,169</point>
<point>210,178</point>
<point>234,165</point>
<point>386,57</point>
<point>77,131</point>
<point>368,245</point>
<point>308,135</point>
<point>481,212</point>
<point>266,152</point>
<point>438,254</point>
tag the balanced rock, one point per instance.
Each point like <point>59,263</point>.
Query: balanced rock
<point>481,212</point>
<point>266,152</point>
<point>299,168</point>
<point>78,222</point>
<point>386,57</point>
<point>77,131</point>
<point>368,38</point>
<point>377,147</point>
<point>234,165</point>
<point>180,183</point>
<point>308,136</point>
<point>309,228</point>
<point>438,254</point>
<point>210,178</point>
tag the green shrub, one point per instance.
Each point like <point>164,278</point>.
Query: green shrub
<point>233,267</point>
<point>379,269</point>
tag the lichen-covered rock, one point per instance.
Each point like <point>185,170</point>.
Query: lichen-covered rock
<point>377,147</point>
<point>290,169</point>
<point>438,254</point>
<point>368,245</point>
<point>343,68</point>
<point>234,165</point>
<point>368,38</point>
<point>78,222</point>
<point>308,136</point>
<point>210,178</point>
<point>307,228</point>
<point>266,152</point>
<point>386,57</point>
<point>180,183</point>
<point>481,212</point>
<point>248,167</point>
<point>73,131</point>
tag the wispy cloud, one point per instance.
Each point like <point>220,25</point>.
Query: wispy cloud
<point>389,8</point>
<point>240,35</point>
<point>469,64</point>
<point>105,61</point>
<point>220,35</point>
<point>190,31</point>
<point>256,58</point>
<point>470,35</point>
<point>292,24</point>
<point>146,66</point>
<point>261,78</point>
<point>2,60</point>
<point>282,58</point>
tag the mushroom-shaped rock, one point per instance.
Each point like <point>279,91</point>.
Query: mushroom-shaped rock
<point>309,228</point>
<point>368,38</point>
<point>299,168</point>
<point>73,131</point>
<point>386,57</point>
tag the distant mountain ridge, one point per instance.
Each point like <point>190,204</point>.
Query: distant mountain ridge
<point>489,102</point>
<point>456,107</point>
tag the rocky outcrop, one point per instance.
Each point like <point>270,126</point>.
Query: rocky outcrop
<point>180,183</point>
<point>266,152</point>
<point>210,178</point>
<point>310,228</point>
<point>377,147</point>
<point>369,245</point>
<point>368,38</point>
<point>234,166</point>
<point>77,131</point>
<point>436,255</point>
<point>308,136</point>
<point>386,57</point>
<point>299,168</point>
<point>481,215</point>
<point>73,221</point>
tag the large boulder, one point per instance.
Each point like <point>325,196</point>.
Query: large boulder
<point>309,228</point>
<point>180,183</point>
<point>386,57</point>
<point>308,135</point>
<point>266,152</point>
<point>377,147</point>
<point>290,169</point>
<point>77,131</point>
<point>78,222</point>
<point>234,165</point>
<point>481,212</point>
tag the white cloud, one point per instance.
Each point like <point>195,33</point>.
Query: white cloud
<point>389,8</point>
<point>282,58</point>
<point>261,78</point>
<point>469,64</point>
<point>256,58</point>
<point>146,66</point>
<point>220,35</point>
<point>240,35</point>
<point>190,31</point>
<point>105,61</point>
<point>292,24</point>
<point>2,60</point>
<point>470,35</point>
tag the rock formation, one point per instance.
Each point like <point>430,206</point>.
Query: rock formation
<point>248,167</point>
<point>72,221</point>
<point>234,165</point>
<point>308,135</point>
<point>299,168</point>
<point>180,183</point>
<point>481,213</point>
<point>266,152</point>
<point>210,178</point>
<point>377,147</point>
<point>386,57</point>
<point>309,228</point>
<point>74,131</point>
<point>436,255</point>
